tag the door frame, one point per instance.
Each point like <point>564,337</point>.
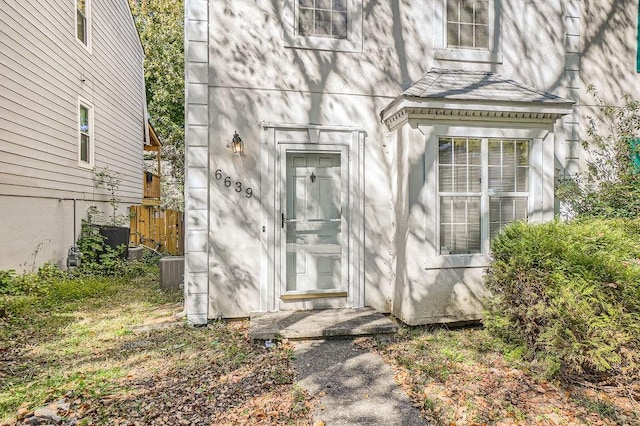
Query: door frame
<point>276,138</point>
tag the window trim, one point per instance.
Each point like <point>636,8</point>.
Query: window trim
<point>638,41</point>
<point>86,164</point>
<point>353,42</point>
<point>443,52</point>
<point>88,24</point>
<point>540,198</point>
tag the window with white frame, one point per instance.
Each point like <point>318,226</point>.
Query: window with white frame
<point>483,184</point>
<point>323,24</point>
<point>468,24</point>
<point>85,134</point>
<point>466,30</point>
<point>82,21</point>
<point>322,18</point>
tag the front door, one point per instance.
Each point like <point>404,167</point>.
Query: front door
<point>314,231</point>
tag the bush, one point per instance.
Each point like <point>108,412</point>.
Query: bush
<point>610,186</point>
<point>98,258</point>
<point>569,294</point>
<point>38,282</point>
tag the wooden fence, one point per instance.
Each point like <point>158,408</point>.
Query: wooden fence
<point>159,229</point>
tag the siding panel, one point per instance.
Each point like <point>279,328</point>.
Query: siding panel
<point>43,70</point>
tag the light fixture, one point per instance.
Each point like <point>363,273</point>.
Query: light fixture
<point>236,144</point>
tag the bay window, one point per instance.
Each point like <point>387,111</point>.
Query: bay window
<point>483,184</point>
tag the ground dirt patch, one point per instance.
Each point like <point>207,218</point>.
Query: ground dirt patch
<point>458,377</point>
<point>122,357</point>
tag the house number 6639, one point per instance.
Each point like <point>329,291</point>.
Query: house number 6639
<point>237,186</point>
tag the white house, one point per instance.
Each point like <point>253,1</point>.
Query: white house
<point>349,153</point>
<point>72,99</point>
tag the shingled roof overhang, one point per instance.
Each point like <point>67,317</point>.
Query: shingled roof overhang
<point>455,95</point>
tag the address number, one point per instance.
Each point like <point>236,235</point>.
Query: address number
<point>237,185</point>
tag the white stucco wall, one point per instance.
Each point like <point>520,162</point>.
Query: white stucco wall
<point>253,77</point>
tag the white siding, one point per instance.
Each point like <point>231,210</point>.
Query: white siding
<point>44,70</point>
<point>41,76</point>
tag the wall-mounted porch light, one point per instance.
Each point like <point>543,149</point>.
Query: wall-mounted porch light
<point>236,144</point>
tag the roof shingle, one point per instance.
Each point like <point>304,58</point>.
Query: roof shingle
<point>476,85</point>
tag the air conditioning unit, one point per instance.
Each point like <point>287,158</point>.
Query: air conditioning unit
<point>171,271</point>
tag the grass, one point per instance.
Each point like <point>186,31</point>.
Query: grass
<point>465,376</point>
<point>79,341</point>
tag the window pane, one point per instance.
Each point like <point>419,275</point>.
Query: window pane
<point>521,208</point>
<point>323,22</point>
<point>503,210</point>
<point>482,36</point>
<point>508,152</point>
<point>460,225</point>
<point>475,156</point>
<point>305,22</point>
<point>494,152</point>
<point>466,35</point>
<point>445,151</point>
<point>482,13</point>
<point>495,177</point>
<point>306,3</point>
<point>340,5</point>
<point>452,11</point>
<point>82,24</point>
<point>452,34</point>
<point>446,179</point>
<point>466,11</point>
<point>508,165</point>
<point>84,148</point>
<point>522,152</point>
<point>522,179</point>
<point>339,24</point>
<point>84,119</point>
<point>460,151</point>
<point>460,179</point>
<point>323,4</point>
<point>475,178</point>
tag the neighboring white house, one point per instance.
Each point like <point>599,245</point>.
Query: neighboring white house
<point>382,144</point>
<point>72,98</point>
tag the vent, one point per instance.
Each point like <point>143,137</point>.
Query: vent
<point>171,271</point>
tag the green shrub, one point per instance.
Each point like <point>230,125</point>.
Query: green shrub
<point>569,294</point>
<point>610,186</point>
<point>38,282</point>
<point>98,258</point>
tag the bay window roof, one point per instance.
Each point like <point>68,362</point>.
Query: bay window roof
<point>473,95</point>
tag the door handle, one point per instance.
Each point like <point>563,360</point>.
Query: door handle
<point>282,225</point>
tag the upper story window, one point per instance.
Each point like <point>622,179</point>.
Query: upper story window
<point>467,31</point>
<point>83,8</point>
<point>468,23</point>
<point>85,134</point>
<point>323,18</point>
<point>323,24</point>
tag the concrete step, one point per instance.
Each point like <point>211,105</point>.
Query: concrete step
<point>319,324</point>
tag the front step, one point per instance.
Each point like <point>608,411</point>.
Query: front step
<point>319,324</point>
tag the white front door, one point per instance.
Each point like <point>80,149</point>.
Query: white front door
<point>314,231</point>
